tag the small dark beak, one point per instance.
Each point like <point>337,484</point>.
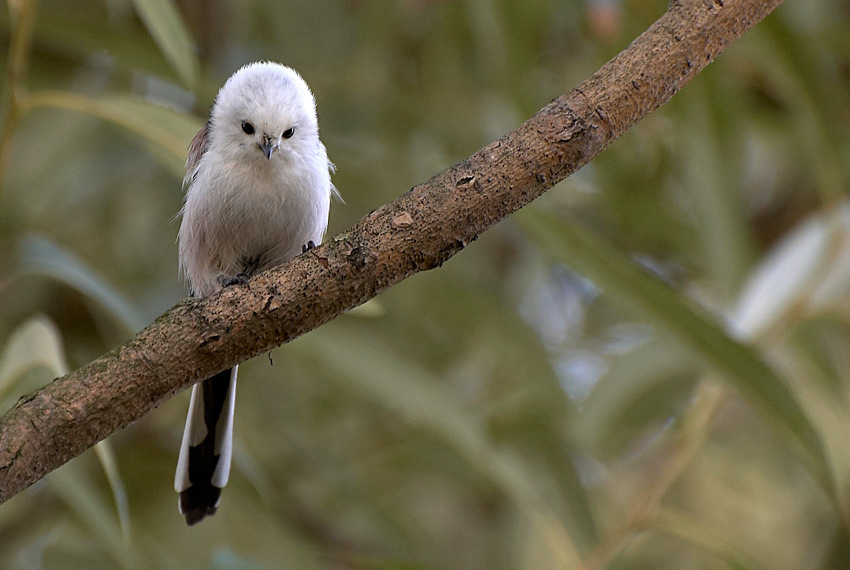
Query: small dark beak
<point>268,146</point>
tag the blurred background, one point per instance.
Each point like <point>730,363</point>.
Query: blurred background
<point>535,402</point>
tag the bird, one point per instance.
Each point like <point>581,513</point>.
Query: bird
<point>258,192</point>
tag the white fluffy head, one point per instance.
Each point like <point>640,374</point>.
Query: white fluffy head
<point>264,107</point>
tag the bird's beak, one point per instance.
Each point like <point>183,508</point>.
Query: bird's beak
<point>268,146</point>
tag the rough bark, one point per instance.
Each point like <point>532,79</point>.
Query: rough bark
<point>420,230</point>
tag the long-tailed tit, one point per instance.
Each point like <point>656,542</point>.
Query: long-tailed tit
<point>258,193</point>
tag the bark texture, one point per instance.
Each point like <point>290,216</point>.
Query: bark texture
<point>420,230</point>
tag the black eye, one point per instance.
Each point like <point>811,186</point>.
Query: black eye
<point>289,132</point>
<point>247,128</point>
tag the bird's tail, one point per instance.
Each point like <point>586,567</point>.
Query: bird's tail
<point>204,463</point>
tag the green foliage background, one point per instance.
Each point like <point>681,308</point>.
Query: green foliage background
<point>647,368</point>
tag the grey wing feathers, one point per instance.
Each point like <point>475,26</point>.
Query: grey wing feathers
<point>199,145</point>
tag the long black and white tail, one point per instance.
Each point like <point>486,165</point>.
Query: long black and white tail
<point>204,463</point>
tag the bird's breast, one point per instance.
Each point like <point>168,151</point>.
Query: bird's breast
<point>269,213</point>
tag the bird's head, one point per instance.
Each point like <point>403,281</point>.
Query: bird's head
<point>263,111</point>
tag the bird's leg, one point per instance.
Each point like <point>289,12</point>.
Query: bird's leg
<point>250,265</point>
<point>308,246</point>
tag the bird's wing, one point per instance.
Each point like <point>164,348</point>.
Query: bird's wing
<point>199,145</point>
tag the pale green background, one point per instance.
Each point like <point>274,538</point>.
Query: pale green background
<point>496,411</point>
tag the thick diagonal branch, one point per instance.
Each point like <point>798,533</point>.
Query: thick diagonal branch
<point>420,230</point>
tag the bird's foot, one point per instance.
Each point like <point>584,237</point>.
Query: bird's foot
<point>308,246</point>
<point>238,279</point>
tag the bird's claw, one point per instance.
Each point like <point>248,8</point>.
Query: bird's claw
<point>238,279</point>
<point>308,246</point>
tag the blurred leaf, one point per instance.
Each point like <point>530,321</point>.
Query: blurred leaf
<point>32,554</point>
<point>119,493</point>
<point>165,25</point>
<point>59,30</point>
<point>785,60</point>
<point>640,390</point>
<point>710,161</point>
<point>709,539</point>
<point>36,342</point>
<point>38,256</point>
<point>822,343</point>
<point>422,400</point>
<point>809,268</point>
<point>688,324</point>
<point>86,503</point>
<point>169,131</point>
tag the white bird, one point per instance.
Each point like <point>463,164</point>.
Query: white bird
<point>258,193</point>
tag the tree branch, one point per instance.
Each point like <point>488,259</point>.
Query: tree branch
<point>418,231</point>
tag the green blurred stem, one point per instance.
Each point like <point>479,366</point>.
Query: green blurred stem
<point>707,538</point>
<point>22,16</point>
<point>696,421</point>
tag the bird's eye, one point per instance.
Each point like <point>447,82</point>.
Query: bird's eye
<point>289,132</point>
<point>247,128</point>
